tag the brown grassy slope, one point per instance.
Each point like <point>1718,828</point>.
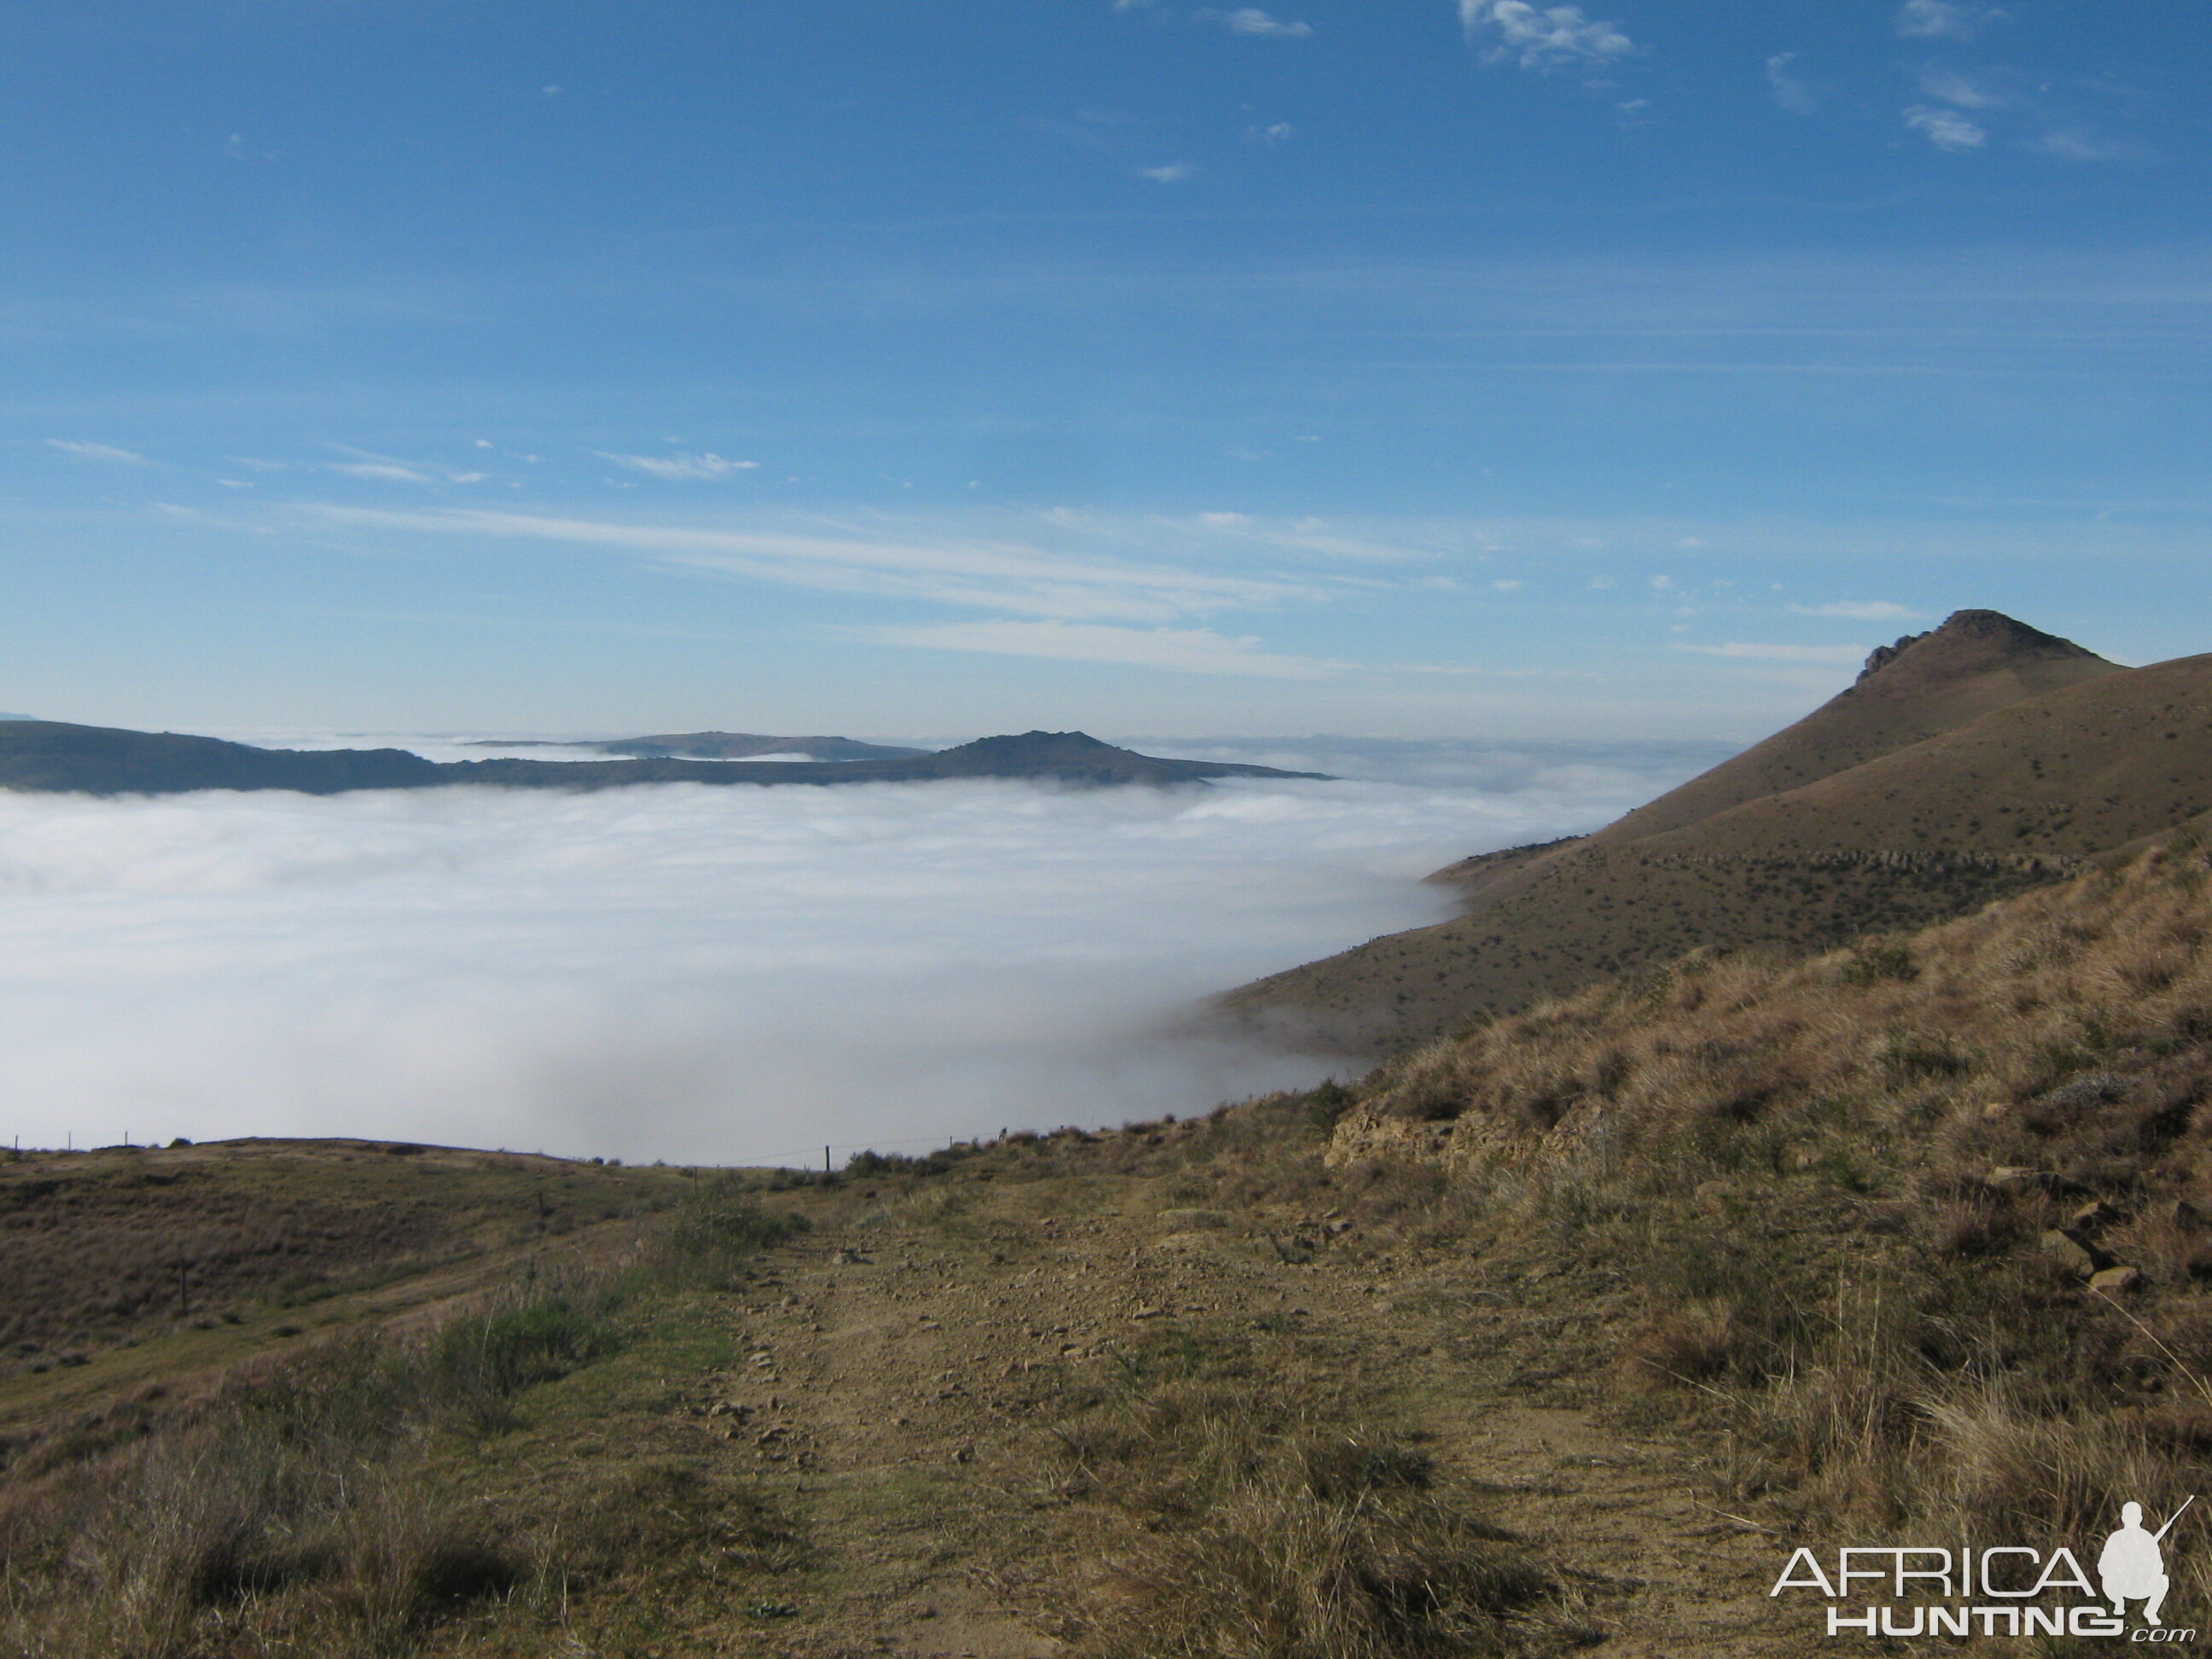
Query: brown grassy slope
<point>1922,686</point>
<point>989,1396</point>
<point>2075,772</point>
<point>1862,1196</point>
<point>91,1243</point>
<point>1913,836</point>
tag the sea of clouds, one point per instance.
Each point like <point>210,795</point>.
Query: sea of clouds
<point>715,975</point>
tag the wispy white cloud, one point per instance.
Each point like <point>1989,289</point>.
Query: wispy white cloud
<point>389,471</point>
<point>1178,650</point>
<point>1946,128</point>
<point>1280,132</point>
<point>1952,20</point>
<point>1998,91</point>
<point>1542,37</point>
<point>1820,654</point>
<point>1173,174</point>
<point>1965,91</point>
<point>91,452</point>
<point>672,467</point>
<point>971,573</point>
<point>2081,144</point>
<point>1250,20</point>
<point>1792,93</point>
<point>1860,610</point>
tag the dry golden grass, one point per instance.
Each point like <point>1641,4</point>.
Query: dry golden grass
<point>101,1248</point>
<point>1262,1521</point>
<point>330,1503</point>
<point>1861,1196</point>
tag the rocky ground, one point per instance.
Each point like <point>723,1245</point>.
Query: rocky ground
<point>907,1365</point>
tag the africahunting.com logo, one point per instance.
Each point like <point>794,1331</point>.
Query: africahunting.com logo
<point>2005,1590</point>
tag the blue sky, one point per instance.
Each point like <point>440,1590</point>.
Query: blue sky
<point>1412,367</point>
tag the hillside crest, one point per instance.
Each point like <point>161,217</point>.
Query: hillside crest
<point>1966,763</point>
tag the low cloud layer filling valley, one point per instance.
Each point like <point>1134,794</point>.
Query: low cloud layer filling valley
<point>714,975</point>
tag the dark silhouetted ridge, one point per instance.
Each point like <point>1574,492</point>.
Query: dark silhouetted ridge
<point>726,745</point>
<point>100,760</point>
<point>48,755</point>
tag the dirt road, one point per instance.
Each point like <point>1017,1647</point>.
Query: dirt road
<point>905,1365</point>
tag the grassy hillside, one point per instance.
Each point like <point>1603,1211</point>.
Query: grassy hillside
<point>1000,1402</point>
<point>2040,755</point>
<point>1924,685</point>
<point>1930,1219</point>
<point>100,1250</point>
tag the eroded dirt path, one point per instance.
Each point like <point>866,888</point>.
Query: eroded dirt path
<point>903,1369</point>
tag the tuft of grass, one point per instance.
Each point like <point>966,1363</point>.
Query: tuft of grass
<point>480,1361</point>
<point>1872,964</point>
<point>707,1240</point>
<point>1252,1519</point>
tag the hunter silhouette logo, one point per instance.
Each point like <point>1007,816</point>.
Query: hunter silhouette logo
<point>2002,1589</point>
<point>2134,1567</point>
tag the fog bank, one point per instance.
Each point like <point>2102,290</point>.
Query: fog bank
<point>696,974</point>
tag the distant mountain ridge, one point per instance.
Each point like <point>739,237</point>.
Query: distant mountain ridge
<point>724,745</point>
<point>1965,764</point>
<point>53,756</point>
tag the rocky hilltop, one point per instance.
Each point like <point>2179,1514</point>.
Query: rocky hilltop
<point>1966,763</point>
<point>49,756</point>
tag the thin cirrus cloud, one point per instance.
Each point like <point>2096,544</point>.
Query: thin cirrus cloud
<point>1961,90</point>
<point>708,465</point>
<point>1542,37</point>
<point>1947,130</point>
<point>1941,19</point>
<point>1250,20</point>
<point>1860,610</point>
<point>1790,92</point>
<point>387,469</point>
<point>970,573</point>
<point>1807,653</point>
<point>1995,91</point>
<point>2080,144</point>
<point>1173,174</point>
<point>80,450</point>
<point>1179,650</point>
